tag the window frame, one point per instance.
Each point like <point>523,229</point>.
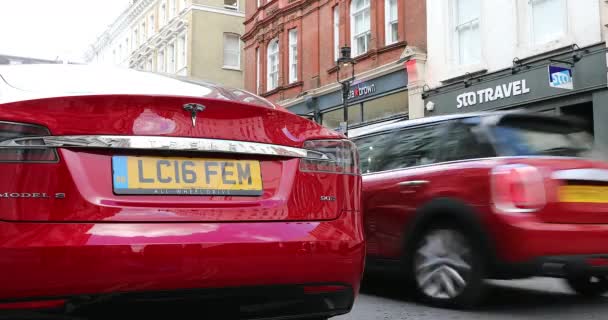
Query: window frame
<point>162,17</point>
<point>258,71</point>
<point>443,130</point>
<point>172,9</point>
<point>532,34</point>
<point>169,53</point>
<point>365,34</point>
<point>456,28</point>
<point>151,25</point>
<point>238,51</point>
<point>336,26</point>
<point>184,63</point>
<point>293,55</point>
<point>163,67</point>
<point>388,31</point>
<point>231,7</point>
<point>269,73</point>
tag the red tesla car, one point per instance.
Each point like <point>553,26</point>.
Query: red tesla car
<point>450,201</point>
<point>126,191</point>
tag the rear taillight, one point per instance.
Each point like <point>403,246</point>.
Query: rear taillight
<point>20,152</point>
<point>518,188</point>
<point>333,156</point>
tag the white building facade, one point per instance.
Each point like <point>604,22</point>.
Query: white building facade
<point>469,36</point>
<point>540,55</point>
<point>196,38</point>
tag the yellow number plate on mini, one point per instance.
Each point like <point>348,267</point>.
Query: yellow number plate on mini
<point>186,176</point>
<point>583,194</point>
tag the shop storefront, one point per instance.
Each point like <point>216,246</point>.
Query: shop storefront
<point>570,83</point>
<point>369,101</point>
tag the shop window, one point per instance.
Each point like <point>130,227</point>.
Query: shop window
<point>386,106</point>
<point>333,118</point>
<point>547,20</point>
<point>360,26</point>
<point>392,21</point>
<point>467,37</point>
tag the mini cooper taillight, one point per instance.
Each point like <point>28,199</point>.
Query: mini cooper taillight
<point>14,150</point>
<point>332,156</point>
<point>518,188</point>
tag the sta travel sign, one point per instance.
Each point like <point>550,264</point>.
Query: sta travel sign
<point>506,90</point>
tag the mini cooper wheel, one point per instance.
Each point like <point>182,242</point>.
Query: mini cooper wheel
<point>589,285</point>
<point>447,268</point>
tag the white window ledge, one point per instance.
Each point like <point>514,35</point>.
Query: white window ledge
<point>231,68</point>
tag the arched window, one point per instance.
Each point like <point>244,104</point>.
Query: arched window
<point>272,68</point>
<point>360,29</point>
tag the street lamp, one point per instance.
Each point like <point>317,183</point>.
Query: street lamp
<point>344,62</point>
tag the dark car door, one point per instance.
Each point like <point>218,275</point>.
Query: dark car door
<point>394,186</point>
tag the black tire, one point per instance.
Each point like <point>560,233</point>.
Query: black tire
<point>588,285</point>
<point>470,294</point>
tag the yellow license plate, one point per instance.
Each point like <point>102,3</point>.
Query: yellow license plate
<point>583,194</point>
<point>186,176</point>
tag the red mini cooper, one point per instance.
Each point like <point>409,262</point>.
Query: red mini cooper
<point>453,200</point>
<point>124,191</point>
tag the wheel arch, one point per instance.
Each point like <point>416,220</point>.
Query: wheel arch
<point>455,211</point>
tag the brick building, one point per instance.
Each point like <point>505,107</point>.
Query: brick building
<point>291,47</point>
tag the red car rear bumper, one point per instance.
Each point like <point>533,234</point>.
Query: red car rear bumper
<point>70,259</point>
<point>524,237</point>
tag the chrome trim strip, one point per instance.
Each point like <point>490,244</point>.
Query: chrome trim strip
<point>600,175</point>
<point>160,143</point>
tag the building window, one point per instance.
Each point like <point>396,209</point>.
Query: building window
<point>392,21</point>
<point>172,8</point>
<point>273,65</point>
<point>258,70</point>
<point>293,55</point>
<point>258,3</point>
<point>336,33</point>
<point>467,37</point>
<point>151,25</point>
<point>360,26</point>
<point>232,51</point>
<point>160,63</point>
<point>127,47</point>
<point>183,5</point>
<point>149,64</point>
<point>162,15</point>
<point>143,32</point>
<point>231,4</point>
<point>135,38</point>
<point>171,58</point>
<point>547,20</point>
<point>181,51</point>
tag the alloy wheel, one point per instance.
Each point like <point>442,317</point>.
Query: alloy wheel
<point>443,264</point>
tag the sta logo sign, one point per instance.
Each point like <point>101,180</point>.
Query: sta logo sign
<point>561,78</point>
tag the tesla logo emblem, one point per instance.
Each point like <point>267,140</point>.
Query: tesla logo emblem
<point>194,109</point>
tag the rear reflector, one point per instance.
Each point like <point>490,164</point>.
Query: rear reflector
<point>597,262</point>
<point>323,289</point>
<point>12,130</point>
<point>518,188</point>
<point>32,305</point>
<point>338,156</point>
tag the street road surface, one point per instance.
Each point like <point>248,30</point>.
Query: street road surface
<point>537,298</point>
